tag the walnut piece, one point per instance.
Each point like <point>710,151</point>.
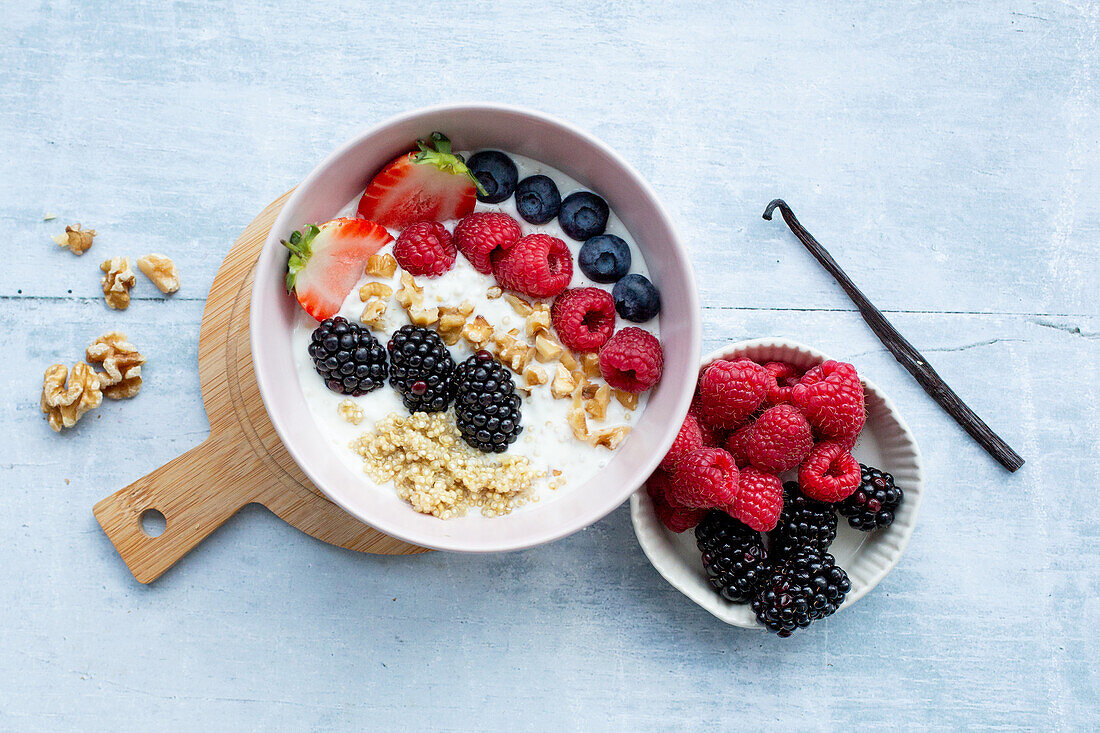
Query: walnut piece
<point>519,305</point>
<point>374,314</point>
<point>77,240</point>
<point>374,290</point>
<point>452,320</point>
<point>381,265</point>
<point>629,400</point>
<point>576,419</point>
<point>534,376</point>
<point>477,332</point>
<point>568,359</point>
<point>610,437</point>
<point>161,270</point>
<point>66,395</point>
<point>411,298</point>
<point>539,320</point>
<point>590,364</point>
<point>564,383</point>
<point>494,292</point>
<point>121,378</point>
<point>596,404</point>
<point>117,282</point>
<point>546,348</point>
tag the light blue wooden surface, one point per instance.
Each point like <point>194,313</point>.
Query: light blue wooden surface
<point>948,154</point>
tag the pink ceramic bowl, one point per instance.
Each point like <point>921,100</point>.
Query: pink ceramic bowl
<point>342,176</point>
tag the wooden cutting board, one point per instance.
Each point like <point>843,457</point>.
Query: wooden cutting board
<point>243,461</point>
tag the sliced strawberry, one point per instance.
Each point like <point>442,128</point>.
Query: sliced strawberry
<point>326,261</point>
<point>433,184</point>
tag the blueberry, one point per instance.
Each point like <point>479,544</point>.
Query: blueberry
<point>583,215</point>
<point>604,258</point>
<point>497,174</point>
<point>636,299</point>
<point>537,199</point>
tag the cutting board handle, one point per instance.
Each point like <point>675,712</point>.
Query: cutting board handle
<point>196,493</point>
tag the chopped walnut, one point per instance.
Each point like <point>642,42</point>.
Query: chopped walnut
<point>420,315</point>
<point>519,305</point>
<point>374,315</point>
<point>451,321</point>
<point>546,348</point>
<point>477,332</point>
<point>610,437</point>
<point>590,364</point>
<point>121,378</point>
<point>564,383</point>
<point>77,240</point>
<point>512,352</point>
<point>629,400</point>
<point>383,265</point>
<point>534,376</point>
<point>350,411</point>
<point>539,320</point>
<point>374,290</point>
<point>410,293</point>
<point>162,271</point>
<point>66,395</point>
<point>494,292</point>
<point>596,404</point>
<point>117,282</point>
<point>568,359</point>
<point>577,421</point>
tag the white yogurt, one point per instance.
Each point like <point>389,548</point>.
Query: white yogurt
<point>547,440</point>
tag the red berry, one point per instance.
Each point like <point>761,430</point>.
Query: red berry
<point>829,473</point>
<point>831,398</point>
<point>759,500</point>
<point>781,377</point>
<point>537,265</point>
<point>480,234</point>
<point>704,479</point>
<point>677,519</point>
<point>690,438</point>
<point>632,360</point>
<point>780,440</point>
<point>737,445</point>
<point>425,248</point>
<point>730,391</point>
<point>584,318</point>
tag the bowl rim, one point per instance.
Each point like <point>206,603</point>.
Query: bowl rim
<point>645,523</point>
<point>488,542</point>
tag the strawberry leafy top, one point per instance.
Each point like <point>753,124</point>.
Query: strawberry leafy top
<point>436,150</point>
<point>301,248</point>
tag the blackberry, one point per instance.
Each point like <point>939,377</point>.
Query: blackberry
<point>420,369</point>
<point>800,589</point>
<point>733,556</point>
<point>872,505</point>
<point>347,357</point>
<point>804,524</point>
<point>486,404</point>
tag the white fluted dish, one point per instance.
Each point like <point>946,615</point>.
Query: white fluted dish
<point>868,557</point>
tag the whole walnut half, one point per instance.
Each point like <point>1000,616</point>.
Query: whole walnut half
<point>117,281</point>
<point>121,378</point>
<point>66,395</point>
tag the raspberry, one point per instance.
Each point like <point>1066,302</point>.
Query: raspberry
<point>831,397</point>
<point>478,235</point>
<point>425,248</point>
<point>730,391</point>
<point>759,499</point>
<point>537,265</point>
<point>690,438</point>
<point>584,318</point>
<point>738,445</point>
<point>632,360</point>
<point>677,519</point>
<point>704,479</point>
<point>829,473</point>
<point>780,440</point>
<point>781,377</point>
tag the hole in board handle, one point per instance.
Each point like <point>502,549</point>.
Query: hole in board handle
<point>153,523</point>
